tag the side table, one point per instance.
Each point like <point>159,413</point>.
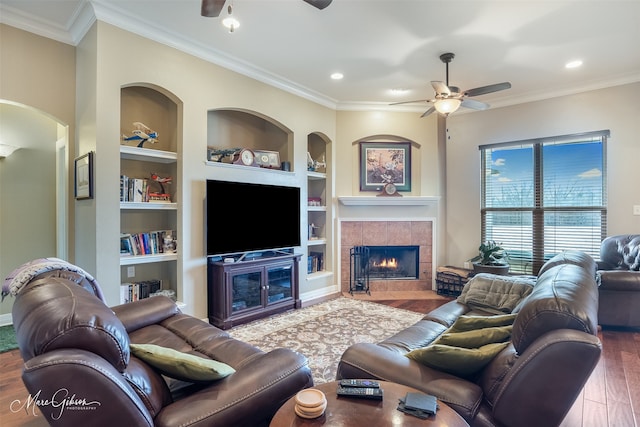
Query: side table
<point>355,412</point>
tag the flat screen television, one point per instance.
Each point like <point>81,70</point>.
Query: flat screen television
<point>247,217</point>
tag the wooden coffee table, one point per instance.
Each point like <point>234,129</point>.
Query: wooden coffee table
<point>354,412</point>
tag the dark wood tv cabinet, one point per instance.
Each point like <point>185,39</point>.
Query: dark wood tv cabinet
<point>250,289</point>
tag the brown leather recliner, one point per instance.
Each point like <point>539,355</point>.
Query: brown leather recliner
<point>618,278</point>
<point>79,368</point>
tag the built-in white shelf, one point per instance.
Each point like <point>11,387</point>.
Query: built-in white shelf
<point>148,205</point>
<point>388,201</point>
<point>316,175</point>
<point>147,154</point>
<point>316,208</point>
<point>319,275</point>
<point>315,242</point>
<point>146,259</point>
<point>249,168</point>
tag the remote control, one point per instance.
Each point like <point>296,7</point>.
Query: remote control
<point>360,383</point>
<point>365,393</point>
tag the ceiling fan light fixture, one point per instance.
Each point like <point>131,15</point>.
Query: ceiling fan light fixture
<point>447,106</point>
<point>230,22</point>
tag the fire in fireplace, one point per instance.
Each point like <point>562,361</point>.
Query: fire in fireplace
<point>393,262</point>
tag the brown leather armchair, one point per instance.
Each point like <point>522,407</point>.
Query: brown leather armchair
<point>79,367</point>
<point>618,277</point>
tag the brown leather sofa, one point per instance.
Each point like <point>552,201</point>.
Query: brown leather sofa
<point>618,278</point>
<point>79,366</point>
<point>534,381</point>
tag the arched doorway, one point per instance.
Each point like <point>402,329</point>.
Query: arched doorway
<point>33,190</point>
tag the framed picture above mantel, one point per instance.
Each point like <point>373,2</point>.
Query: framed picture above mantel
<point>383,163</point>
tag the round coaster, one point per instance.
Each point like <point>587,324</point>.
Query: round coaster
<point>306,413</point>
<point>310,398</point>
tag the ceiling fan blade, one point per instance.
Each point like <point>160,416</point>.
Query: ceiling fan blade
<point>412,102</point>
<point>474,105</point>
<point>441,88</point>
<point>320,4</point>
<point>487,89</point>
<point>211,8</point>
<point>429,111</point>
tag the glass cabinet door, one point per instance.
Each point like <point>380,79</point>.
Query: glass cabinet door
<point>246,289</point>
<point>279,283</point>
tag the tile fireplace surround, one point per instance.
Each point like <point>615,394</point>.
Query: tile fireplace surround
<point>388,233</point>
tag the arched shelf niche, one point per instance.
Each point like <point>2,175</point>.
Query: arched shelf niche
<point>229,128</point>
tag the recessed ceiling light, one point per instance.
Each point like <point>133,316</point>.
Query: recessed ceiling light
<point>337,76</point>
<point>399,91</point>
<point>573,64</point>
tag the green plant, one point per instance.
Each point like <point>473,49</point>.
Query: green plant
<point>491,253</point>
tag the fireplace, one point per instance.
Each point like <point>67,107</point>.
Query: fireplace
<point>382,263</point>
<point>373,234</point>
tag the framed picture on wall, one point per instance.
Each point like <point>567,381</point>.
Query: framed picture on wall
<point>83,176</point>
<point>383,163</point>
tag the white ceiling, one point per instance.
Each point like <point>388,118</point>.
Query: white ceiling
<point>377,44</point>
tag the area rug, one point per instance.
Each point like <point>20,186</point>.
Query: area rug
<point>7,338</point>
<point>322,332</point>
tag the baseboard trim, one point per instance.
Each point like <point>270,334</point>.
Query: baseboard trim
<point>6,319</point>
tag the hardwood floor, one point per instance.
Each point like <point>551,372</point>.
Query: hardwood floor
<point>611,397</point>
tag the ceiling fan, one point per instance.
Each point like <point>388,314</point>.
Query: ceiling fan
<point>449,98</point>
<point>212,8</point>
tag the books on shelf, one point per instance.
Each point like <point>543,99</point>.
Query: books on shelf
<point>149,243</point>
<point>133,189</point>
<point>315,262</point>
<point>133,291</point>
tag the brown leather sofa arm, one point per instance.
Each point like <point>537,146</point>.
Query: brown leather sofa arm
<point>149,311</point>
<point>253,393</point>
<point>618,280</point>
<point>77,386</point>
<point>543,370</point>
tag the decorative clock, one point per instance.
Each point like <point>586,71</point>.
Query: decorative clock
<point>245,157</point>
<point>389,189</point>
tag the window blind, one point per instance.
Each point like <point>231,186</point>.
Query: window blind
<point>544,196</point>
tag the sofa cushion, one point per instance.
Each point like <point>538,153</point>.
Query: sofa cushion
<point>179,365</point>
<point>495,294</point>
<point>457,360</point>
<point>466,347</point>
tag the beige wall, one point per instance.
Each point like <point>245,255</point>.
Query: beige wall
<point>614,108</point>
<point>37,87</point>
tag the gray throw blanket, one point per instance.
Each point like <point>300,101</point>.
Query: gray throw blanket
<point>22,275</point>
<point>496,294</point>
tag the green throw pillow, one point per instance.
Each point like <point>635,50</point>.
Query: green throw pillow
<point>468,345</point>
<point>179,365</point>
<point>469,323</point>
<point>477,338</point>
<point>457,360</point>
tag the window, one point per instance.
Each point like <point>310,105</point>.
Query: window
<point>543,196</point>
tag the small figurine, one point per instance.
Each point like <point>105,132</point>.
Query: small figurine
<point>314,165</point>
<point>143,134</point>
<point>162,196</point>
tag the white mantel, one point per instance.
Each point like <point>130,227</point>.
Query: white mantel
<point>388,201</point>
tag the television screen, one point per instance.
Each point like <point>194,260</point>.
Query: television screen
<point>245,217</point>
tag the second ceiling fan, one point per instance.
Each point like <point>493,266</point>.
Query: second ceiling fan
<point>212,8</point>
<point>449,98</point>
